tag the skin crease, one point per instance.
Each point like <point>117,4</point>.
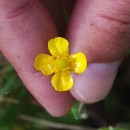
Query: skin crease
<point>110,32</point>
<point>27,25</point>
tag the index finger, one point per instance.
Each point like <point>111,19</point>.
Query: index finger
<point>25,29</point>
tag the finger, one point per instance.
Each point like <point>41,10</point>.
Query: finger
<point>100,29</point>
<point>25,30</point>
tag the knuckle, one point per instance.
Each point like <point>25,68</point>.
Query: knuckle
<point>113,18</point>
<point>112,26</point>
<point>115,35</point>
<point>14,9</point>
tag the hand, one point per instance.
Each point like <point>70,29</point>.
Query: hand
<point>100,29</point>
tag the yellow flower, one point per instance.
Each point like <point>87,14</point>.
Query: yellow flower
<point>60,63</point>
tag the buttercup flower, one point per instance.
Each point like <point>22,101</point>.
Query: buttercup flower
<point>60,63</point>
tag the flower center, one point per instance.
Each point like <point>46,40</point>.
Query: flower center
<point>62,64</point>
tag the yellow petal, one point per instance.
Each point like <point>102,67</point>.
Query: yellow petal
<point>58,46</point>
<point>62,81</point>
<point>44,63</point>
<point>78,62</point>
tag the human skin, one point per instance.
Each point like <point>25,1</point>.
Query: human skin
<point>99,28</point>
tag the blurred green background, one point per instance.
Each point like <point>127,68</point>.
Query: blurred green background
<point>20,111</point>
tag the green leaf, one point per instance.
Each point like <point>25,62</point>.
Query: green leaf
<point>9,85</point>
<point>78,110</point>
<point>9,115</point>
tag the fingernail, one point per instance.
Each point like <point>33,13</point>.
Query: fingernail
<point>95,83</point>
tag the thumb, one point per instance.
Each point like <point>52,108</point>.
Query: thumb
<point>100,29</point>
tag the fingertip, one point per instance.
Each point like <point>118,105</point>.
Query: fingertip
<point>56,103</point>
<point>64,108</point>
<point>95,83</point>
